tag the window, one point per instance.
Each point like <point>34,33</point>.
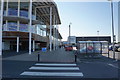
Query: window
<point>24,9</point>
<point>13,8</point>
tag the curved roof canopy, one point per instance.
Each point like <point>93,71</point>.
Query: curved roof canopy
<point>43,11</point>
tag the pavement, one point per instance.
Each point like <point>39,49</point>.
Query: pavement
<point>58,64</point>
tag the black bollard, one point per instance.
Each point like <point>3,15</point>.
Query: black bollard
<point>75,58</point>
<point>38,57</point>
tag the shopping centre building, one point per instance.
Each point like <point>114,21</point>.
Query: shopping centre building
<point>29,25</point>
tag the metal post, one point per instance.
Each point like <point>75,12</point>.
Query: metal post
<point>30,25</point>
<point>112,29</point>
<point>98,35</point>
<point>33,45</point>
<point>69,35</point>
<point>54,32</point>
<point>108,50</point>
<point>6,26</point>
<point>75,57</point>
<point>56,36</point>
<point>50,29</point>
<point>38,57</point>
<point>17,44</point>
<point>1,24</point>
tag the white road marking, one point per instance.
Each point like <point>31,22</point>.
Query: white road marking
<point>113,66</point>
<point>54,68</point>
<point>52,74</point>
<point>55,64</point>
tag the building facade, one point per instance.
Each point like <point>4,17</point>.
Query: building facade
<point>72,40</point>
<point>29,25</point>
<point>94,38</point>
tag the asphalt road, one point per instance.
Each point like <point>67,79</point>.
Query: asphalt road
<point>102,68</point>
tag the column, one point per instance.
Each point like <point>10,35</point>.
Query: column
<point>56,35</point>
<point>54,32</point>
<point>18,8</point>
<point>30,25</point>
<point>1,24</point>
<point>35,14</point>
<point>33,45</point>
<point>18,23</point>
<point>50,29</point>
<point>17,44</point>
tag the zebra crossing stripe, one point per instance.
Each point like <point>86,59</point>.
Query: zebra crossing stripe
<point>44,64</point>
<point>79,74</point>
<point>54,68</point>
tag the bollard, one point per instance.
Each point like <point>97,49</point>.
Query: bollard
<point>38,57</point>
<point>75,58</point>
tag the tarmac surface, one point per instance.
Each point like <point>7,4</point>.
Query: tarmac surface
<point>58,64</point>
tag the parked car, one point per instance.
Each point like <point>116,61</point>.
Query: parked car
<point>110,47</point>
<point>68,48</point>
<point>116,48</point>
<point>119,49</point>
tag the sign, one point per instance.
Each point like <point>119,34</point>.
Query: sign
<point>44,49</point>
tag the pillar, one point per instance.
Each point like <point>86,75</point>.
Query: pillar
<point>54,32</point>
<point>1,24</point>
<point>50,29</point>
<point>17,44</point>
<point>33,45</point>
<point>30,25</point>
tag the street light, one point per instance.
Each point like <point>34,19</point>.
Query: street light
<point>69,32</point>
<point>111,4</point>
<point>98,35</point>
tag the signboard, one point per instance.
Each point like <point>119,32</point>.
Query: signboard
<point>44,49</point>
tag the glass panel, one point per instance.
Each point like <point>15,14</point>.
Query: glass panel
<point>4,28</point>
<point>24,6</point>
<point>13,8</point>
<point>82,47</point>
<point>23,27</point>
<point>97,47</point>
<point>104,47</point>
<point>33,29</point>
<point>12,26</point>
<point>90,48</point>
<point>33,13</point>
<point>5,5</point>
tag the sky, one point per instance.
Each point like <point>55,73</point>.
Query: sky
<point>87,18</point>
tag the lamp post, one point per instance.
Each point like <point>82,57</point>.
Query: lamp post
<point>69,32</point>
<point>98,34</point>
<point>111,4</point>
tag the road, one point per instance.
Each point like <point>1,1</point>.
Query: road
<point>59,65</point>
